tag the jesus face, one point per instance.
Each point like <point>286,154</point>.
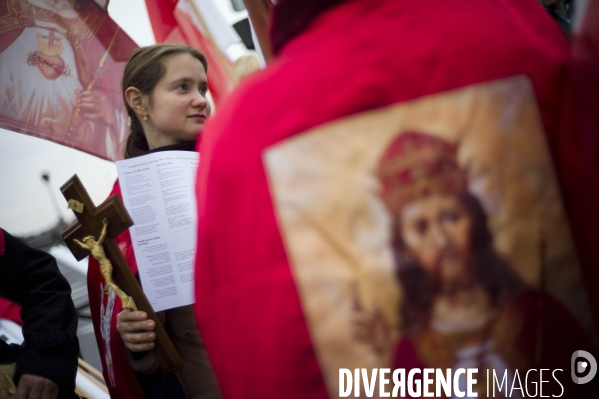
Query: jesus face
<point>178,105</point>
<point>436,232</point>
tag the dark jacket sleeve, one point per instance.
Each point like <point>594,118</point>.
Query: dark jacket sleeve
<point>31,278</point>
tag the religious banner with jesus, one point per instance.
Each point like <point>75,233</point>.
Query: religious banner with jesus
<point>62,63</point>
<point>442,244</point>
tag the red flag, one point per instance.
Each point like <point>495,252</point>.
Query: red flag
<point>177,21</point>
<point>61,72</point>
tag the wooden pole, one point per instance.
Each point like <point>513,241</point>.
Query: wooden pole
<point>260,12</point>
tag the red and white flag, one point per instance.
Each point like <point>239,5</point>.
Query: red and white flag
<point>61,66</point>
<point>180,21</point>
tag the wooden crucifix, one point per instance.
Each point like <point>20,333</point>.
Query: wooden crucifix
<point>104,223</point>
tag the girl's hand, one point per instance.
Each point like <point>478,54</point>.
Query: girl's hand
<point>137,331</point>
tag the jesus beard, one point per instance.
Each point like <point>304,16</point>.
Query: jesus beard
<point>453,273</point>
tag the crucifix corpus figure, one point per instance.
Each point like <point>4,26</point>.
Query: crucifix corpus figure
<point>95,247</point>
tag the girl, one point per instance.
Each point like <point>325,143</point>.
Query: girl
<point>164,88</point>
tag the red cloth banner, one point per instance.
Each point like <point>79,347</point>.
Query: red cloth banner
<point>104,305</point>
<point>177,21</point>
<point>61,69</point>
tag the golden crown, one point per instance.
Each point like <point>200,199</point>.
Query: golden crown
<point>53,45</point>
<point>417,165</point>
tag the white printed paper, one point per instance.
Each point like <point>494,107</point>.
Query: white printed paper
<point>158,192</point>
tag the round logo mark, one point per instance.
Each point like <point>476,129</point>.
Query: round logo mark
<point>588,365</point>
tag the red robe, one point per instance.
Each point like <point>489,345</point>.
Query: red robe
<point>350,58</point>
<point>118,374</point>
<point>513,341</point>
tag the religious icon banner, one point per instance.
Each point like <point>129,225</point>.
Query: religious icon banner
<point>432,234</point>
<point>62,64</point>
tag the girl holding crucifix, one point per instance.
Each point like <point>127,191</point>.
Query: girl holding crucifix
<point>165,92</point>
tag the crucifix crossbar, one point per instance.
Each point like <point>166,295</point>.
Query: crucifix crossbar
<point>90,223</point>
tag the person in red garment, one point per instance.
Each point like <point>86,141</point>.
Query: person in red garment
<point>164,89</point>
<point>335,59</point>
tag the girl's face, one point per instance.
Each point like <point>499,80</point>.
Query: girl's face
<point>178,107</point>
